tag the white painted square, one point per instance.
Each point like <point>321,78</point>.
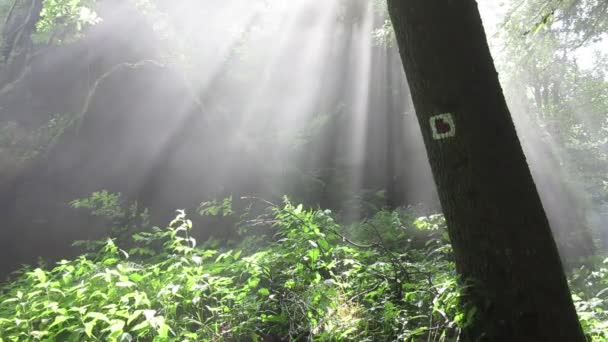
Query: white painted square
<point>443,126</point>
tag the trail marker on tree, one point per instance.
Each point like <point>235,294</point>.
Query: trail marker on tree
<point>500,234</point>
<point>443,126</point>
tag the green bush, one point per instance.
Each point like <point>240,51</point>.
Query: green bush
<point>297,275</point>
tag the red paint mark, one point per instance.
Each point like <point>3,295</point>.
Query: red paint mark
<point>442,126</point>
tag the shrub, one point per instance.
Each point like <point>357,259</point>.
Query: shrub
<point>297,276</point>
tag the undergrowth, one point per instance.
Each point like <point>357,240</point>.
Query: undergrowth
<point>297,275</point>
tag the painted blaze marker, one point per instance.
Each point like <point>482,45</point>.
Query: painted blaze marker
<point>443,126</point>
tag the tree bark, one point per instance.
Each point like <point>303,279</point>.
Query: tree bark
<point>499,231</point>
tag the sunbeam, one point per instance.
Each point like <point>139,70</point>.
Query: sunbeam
<point>319,196</point>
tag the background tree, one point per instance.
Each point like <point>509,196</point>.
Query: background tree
<point>554,71</point>
<point>501,237</point>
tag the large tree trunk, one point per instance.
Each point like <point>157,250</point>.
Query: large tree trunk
<point>501,237</point>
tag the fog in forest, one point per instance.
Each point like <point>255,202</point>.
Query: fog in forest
<point>172,104</point>
<point>255,170</point>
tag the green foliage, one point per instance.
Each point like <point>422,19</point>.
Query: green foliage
<point>63,20</point>
<point>122,218</point>
<point>301,279</point>
<point>555,80</point>
<point>216,208</point>
<point>385,34</point>
<point>590,294</point>
<point>576,21</point>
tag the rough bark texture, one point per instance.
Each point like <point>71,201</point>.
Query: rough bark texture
<point>500,234</point>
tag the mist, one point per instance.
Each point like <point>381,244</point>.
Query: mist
<point>175,104</point>
<point>203,170</point>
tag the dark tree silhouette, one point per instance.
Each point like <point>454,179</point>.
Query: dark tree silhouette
<point>500,234</point>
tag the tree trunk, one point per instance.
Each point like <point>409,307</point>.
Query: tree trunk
<point>393,125</point>
<point>16,42</point>
<point>501,237</point>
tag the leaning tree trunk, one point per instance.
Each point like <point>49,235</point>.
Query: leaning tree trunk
<point>501,237</point>
<point>16,43</point>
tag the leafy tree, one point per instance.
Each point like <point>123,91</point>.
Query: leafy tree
<point>64,20</point>
<point>561,105</point>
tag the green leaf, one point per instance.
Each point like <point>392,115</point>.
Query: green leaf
<point>58,320</point>
<point>134,316</point>
<point>237,255</point>
<point>97,316</point>
<point>324,244</point>
<point>253,282</point>
<point>313,254</point>
<point>298,209</point>
<point>88,328</point>
<point>163,330</point>
<point>136,277</point>
<point>141,326</point>
<point>40,275</point>
<point>10,300</point>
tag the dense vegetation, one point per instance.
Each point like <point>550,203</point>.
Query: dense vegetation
<point>296,274</point>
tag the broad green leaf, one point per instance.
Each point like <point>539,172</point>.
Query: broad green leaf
<point>97,316</point>
<point>134,316</point>
<point>58,320</point>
